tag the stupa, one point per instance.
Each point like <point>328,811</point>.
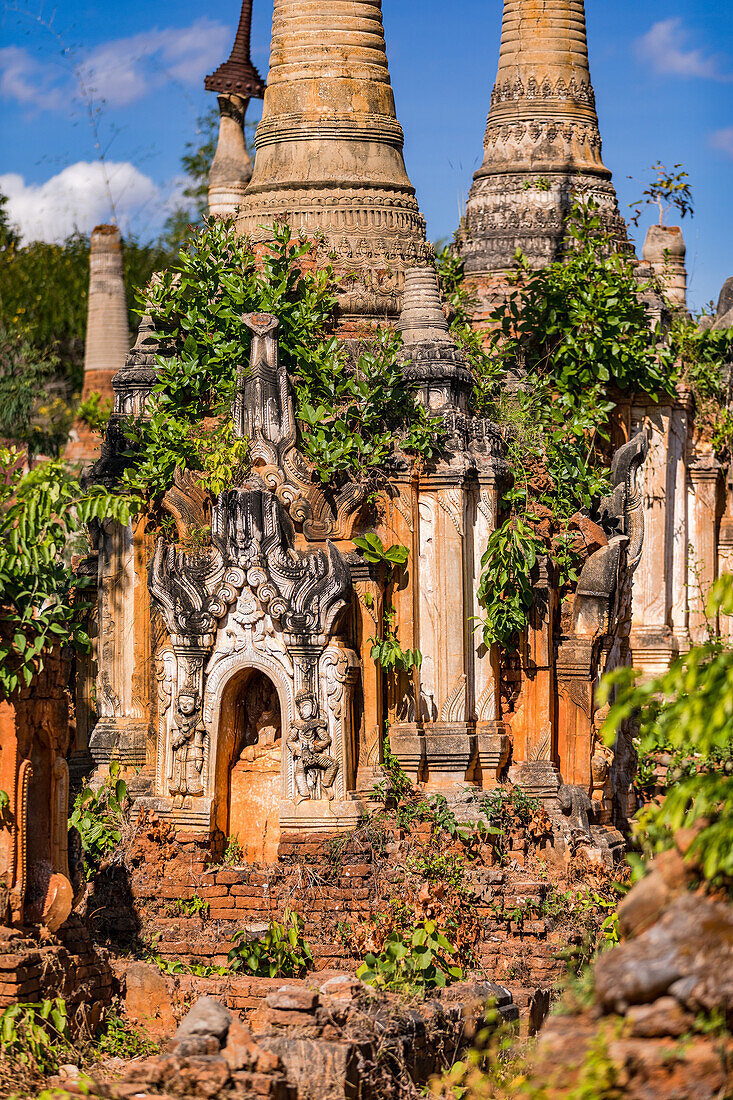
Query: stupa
<point>108,334</point>
<point>329,151</point>
<point>542,144</point>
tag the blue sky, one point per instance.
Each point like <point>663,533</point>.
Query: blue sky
<point>663,73</point>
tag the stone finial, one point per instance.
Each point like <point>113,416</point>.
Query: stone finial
<point>431,360</point>
<point>542,141</point>
<point>665,251</point>
<point>422,316</point>
<point>231,169</point>
<point>108,334</point>
<point>238,76</point>
<point>236,81</point>
<point>329,151</point>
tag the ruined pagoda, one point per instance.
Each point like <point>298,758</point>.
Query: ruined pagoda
<point>542,143</point>
<point>236,82</point>
<point>329,151</point>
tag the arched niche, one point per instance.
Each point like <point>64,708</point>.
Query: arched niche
<point>248,711</point>
<point>248,776</point>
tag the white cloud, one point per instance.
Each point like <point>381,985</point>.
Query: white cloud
<point>723,140</point>
<point>666,47</point>
<point>78,199</point>
<point>22,78</point>
<point>127,69</point>
<point>120,71</point>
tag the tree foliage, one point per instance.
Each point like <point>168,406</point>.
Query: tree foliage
<point>689,709</point>
<point>350,415</point>
<point>41,600</point>
<point>570,335</point>
<point>669,189</point>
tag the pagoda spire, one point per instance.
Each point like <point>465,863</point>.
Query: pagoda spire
<point>542,143</point>
<point>235,82</point>
<point>329,151</point>
<point>107,337</point>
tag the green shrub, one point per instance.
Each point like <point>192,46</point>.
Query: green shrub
<point>688,709</point>
<point>412,964</point>
<point>98,816</point>
<point>280,953</point>
<point>350,414</point>
<point>41,601</point>
<point>36,1036</point>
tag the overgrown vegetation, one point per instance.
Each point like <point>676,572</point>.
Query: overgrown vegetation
<point>705,360</point>
<point>412,964</point>
<point>571,335</point>
<point>386,649</point>
<point>351,415</point>
<point>35,1036</point>
<point>42,602</point>
<point>669,189</point>
<point>280,953</point>
<point>98,816</point>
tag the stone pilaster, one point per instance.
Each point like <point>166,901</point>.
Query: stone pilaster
<point>492,737</point>
<point>652,642</point>
<point>406,736</point>
<point>725,551</point>
<point>704,482</point>
<point>329,151</point>
<point>534,724</point>
<point>124,647</point>
<point>445,606</point>
<point>368,617</point>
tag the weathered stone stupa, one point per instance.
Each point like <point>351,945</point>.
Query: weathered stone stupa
<point>329,150</point>
<point>236,82</point>
<point>108,334</point>
<point>542,141</point>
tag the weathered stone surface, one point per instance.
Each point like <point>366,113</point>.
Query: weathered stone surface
<point>208,1017</point>
<point>664,1016</point>
<point>643,905</point>
<point>692,940</point>
<point>148,1000</point>
<point>665,251</point>
<point>293,998</point>
<point>108,333</point>
<point>725,301</point>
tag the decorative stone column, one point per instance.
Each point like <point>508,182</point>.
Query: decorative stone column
<point>444,628</point>
<point>108,333</point>
<point>124,647</point>
<point>725,551</point>
<point>542,145</point>
<point>492,737</point>
<point>236,82</point>
<point>431,361</point>
<point>534,723</point>
<point>652,643</point>
<point>680,430</point>
<point>329,151</point>
<point>665,251</point>
<point>406,736</point>
<point>368,618</point>
<point>704,478</point>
